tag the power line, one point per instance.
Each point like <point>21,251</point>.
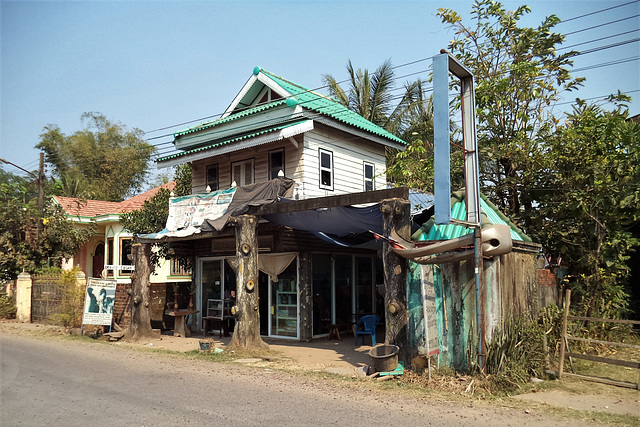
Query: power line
<point>606,64</point>
<point>597,40</point>
<point>598,49</point>
<point>602,25</point>
<point>602,97</point>
<point>598,11</point>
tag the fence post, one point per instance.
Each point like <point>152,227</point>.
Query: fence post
<point>23,297</point>
<point>563,334</point>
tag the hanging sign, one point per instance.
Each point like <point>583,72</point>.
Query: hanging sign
<point>100,298</point>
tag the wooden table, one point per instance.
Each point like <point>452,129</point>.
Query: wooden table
<point>180,328</point>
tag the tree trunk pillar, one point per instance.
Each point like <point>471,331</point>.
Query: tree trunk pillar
<point>306,309</point>
<point>140,326</point>
<point>395,214</point>
<point>246,333</point>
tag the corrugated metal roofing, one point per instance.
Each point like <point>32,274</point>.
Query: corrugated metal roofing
<point>323,104</point>
<point>229,141</point>
<point>490,215</point>
<point>231,117</point>
<point>420,201</point>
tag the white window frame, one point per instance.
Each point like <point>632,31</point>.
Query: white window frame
<point>244,164</point>
<point>366,179</point>
<point>321,169</point>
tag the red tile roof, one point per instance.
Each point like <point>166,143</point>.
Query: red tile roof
<point>92,208</point>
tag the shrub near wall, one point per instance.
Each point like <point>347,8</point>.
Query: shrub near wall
<point>70,311</point>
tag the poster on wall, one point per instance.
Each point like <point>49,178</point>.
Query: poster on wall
<point>99,300</point>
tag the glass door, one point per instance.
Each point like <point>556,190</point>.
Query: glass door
<point>321,287</point>
<point>284,303</point>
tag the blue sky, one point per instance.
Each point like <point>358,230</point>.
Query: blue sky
<point>157,64</point>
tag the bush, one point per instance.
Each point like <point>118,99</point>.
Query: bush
<point>8,307</point>
<point>70,311</point>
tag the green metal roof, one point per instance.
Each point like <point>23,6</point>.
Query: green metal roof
<point>232,117</point>
<point>232,140</point>
<point>325,105</point>
<point>490,215</point>
<point>306,98</point>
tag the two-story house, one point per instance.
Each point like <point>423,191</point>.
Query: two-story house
<point>275,128</point>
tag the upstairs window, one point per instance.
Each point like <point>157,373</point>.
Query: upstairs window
<point>326,169</point>
<point>276,163</point>
<point>368,174</point>
<point>213,177</point>
<point>242,172</point>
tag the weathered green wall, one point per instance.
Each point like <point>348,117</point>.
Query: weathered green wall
<point>510,286</point>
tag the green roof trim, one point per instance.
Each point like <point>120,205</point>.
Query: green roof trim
<point>232,117</point>
<point>490,215</point>
<point>323,104</point>
<point>306,98</point>
<point>232,140</point>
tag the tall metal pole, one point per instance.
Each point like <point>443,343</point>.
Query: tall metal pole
<point>40,183</point>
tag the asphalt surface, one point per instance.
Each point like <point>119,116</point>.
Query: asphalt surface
<point>71,383</point>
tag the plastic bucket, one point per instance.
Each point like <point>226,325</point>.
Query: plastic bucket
<point>205,345</point>
<point>384,358</point>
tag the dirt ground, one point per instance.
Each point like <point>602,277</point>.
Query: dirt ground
<point>344,358</point>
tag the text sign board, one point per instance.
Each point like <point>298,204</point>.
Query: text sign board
<point>120,267</point>
<point>430,346</point>
<point>99,300</point>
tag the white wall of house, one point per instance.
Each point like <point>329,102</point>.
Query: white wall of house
<point>302,163</point>
<point>349,154</point>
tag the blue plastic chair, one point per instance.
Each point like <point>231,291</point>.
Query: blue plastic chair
<point>367,326</point>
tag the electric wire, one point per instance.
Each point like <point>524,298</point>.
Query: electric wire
<point>602,25</point>
<point>597,11</point>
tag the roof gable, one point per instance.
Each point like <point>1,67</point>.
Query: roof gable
<point>294,103</point>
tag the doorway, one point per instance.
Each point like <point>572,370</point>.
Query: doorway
<point>98,260</point>
<point>215,279</point>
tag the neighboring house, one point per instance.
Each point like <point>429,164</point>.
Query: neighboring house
<point>275,128</point>
<point>111,245</point>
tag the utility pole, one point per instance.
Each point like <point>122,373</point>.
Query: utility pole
<point>40,184</point>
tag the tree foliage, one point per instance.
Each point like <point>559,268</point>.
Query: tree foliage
<point>18,221</point>
<point>103,161</point>
<point>152,217</point>
<point>588,195</point>
<point>20,248</point>
<point>519,74</point>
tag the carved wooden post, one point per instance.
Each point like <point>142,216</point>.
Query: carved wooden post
<point>395,214</point>
<point>306,313</point>
<point>140,326</point>
<point>246,333</point>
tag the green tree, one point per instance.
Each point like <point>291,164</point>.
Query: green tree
<point>152,217</point>
<point>518,74</point>
<point>18,222</point>
<point>588,198</point>
<point>104,161</point>
<point>19,248</point>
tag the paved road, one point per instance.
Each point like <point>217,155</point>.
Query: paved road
<point>63,382</point>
